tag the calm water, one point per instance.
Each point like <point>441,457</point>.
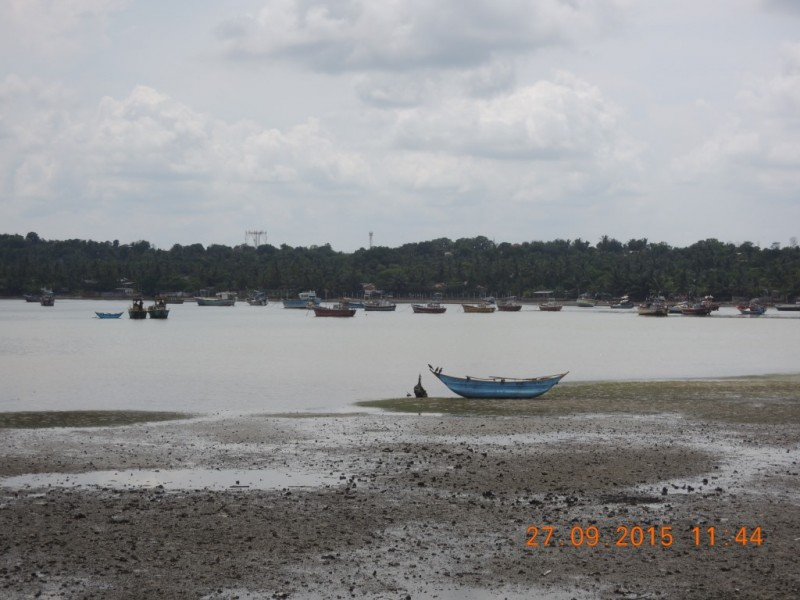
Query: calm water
<point>247,358</point>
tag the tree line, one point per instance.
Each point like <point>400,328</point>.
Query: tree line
<point>467,267</point>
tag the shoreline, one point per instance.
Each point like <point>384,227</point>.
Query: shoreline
<point>424,506</point>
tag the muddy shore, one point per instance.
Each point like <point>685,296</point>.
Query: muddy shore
<point>628,481</point>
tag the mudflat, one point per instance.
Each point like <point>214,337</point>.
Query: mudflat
<point>612,490</point>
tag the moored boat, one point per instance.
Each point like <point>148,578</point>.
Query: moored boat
<point>551,306</point>
<point>787,307</point>
<point>752,308</point>
<point>483,307</point>
<point>257,298</point>
<point>220,299</point>
<point>47,300</point>
<point>622,303</point>
<point>509,304</point>
<point>158,310</point>
<point>341,309</point>
<point>497,387</point>
<point>697,309</point>
<point>431,308</point>
<point>653,307</point>
<point>137,311</point>
<point>303,300</point>
<point>108,315</point>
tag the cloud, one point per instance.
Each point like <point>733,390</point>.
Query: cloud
<point>410,34</point>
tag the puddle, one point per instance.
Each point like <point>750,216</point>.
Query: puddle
<point>177,479</point>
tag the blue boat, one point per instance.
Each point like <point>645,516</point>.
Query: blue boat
<point>303,300</point>
<point>105,315</point>
<point>497,387</point>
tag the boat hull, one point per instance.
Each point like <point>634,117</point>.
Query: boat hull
<point>498,387</point>
<point>105,315</point>
<point>324,311</point>
<point>472,308</point>
<point>216,301</point>
<point>509,307</point>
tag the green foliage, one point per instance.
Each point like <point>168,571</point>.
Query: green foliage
<point>464,267</point>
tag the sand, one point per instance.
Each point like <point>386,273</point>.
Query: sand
<point>623,497</point>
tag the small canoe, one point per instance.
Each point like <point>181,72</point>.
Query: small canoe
<point>497,387</point>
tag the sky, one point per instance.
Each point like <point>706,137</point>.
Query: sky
<point>320,122</point>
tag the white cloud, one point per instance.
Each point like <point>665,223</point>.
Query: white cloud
<point>409,34</point>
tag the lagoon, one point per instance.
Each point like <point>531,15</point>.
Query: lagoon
<point>269,359</point>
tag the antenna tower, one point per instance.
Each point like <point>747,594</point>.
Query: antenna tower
<point>254,235</point>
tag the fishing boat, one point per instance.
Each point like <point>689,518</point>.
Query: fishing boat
<point>585,303</point>
<point>220,299</point>
<point>431,308</point>
<point>302,301</point>
<point>379,304</point>
<point>509,304</point>
<point>342,309</point>
<point>158,310</point>
<point>696,309</point>
<point>483,307</point>
<point>550,306</point>
<point>47,299</point>
<point>137,311</point>
<point>653,307</point>
<point>257,298</point>
<point>497,387</point>
<point>622,303</point>
<point>752,308</point>
<point>108,315</point>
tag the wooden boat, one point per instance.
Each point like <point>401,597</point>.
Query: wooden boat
<point>302,301</point>
<point>550,306</point>
<point>497,387</point>
<point>483,307</point>
<point>431,308</point>
<point>753,309</point>
<point>108,315</point>
<point>341,309</point>
<point>379,304</point>
<point>509,305</point>
<point>220,299</point>
<point>697,309</point>
<point>158,310</point>
<point>137,310</point>
<point>653,307</point>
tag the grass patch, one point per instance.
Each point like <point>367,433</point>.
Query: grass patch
<point>767,399</point>
<point>83,418</point>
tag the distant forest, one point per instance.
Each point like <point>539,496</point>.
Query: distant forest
<point>468,267</point>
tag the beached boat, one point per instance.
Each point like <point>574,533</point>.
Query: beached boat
<point>483,307</point>
<point>509,304</point>
<point>753,309</point>
<point>341,309</point>
<point>302,301</point>
<point>220,299</point>
<point>108,315</point>
<point>551,306</point>
<point>497,387</point>
<point>653,307</point>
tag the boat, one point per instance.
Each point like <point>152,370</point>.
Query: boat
<point>677,309</point>
<point>32,298</point>
<point>653,307</point>
<point>696,309</point>
<point>787,307</point>
<point>220,299</point>
<point>622,303</point>
<point>431,308</point>
<point>379,304</point>
<point>174,299</point>
<point>47,299</point>
<point>302,301</point>
<point>550,306</point>
<point>483,307</point>
<point>509,304</point>
<point>752,308</point>
<point>257,299</point>
<point>108,315</point>
<point>585,303</point>
<point>341,309</point>
<point>158,310</point>
<point>497,387</point>
<point>137,310</point>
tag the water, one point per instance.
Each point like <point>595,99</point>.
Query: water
<point>270,359</point>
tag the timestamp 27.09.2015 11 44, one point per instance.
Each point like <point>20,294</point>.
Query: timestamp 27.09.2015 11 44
<point>638,536</point>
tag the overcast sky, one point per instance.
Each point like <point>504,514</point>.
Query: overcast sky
<point>321,121</point>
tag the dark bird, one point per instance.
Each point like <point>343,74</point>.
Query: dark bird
<point>419,391</point>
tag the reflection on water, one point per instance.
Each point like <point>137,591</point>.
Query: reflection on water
<point>175,479</point>
<point>269,359</point>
